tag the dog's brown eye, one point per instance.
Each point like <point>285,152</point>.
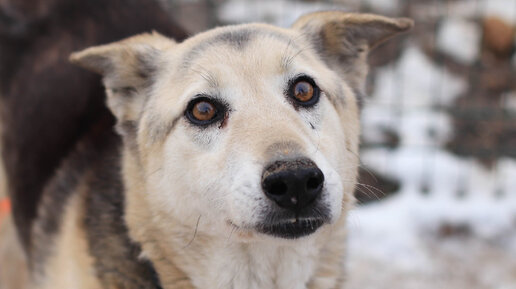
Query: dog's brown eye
<point>303,91</point>
<point>203,111</point>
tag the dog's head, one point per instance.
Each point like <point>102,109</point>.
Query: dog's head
<point>251,126</point>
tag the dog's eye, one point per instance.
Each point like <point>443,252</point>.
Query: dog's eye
<point>204,111</point>
<point>304,91</point>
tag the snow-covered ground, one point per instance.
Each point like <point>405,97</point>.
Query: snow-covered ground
<point>453,222</point>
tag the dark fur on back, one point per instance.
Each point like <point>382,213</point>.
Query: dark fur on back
<point>47,105</point>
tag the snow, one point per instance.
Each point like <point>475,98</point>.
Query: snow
<point>401,241</point>
<point>415,81</point>
<point>412,111</point>
<point>469,9</point>
<point>282,13</point>
<point>384,6</point>
<point>405,236</point>
<point>460,39</point>
<point>505,9</point>
<point>404,94</point>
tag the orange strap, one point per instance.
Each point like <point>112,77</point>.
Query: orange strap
<point>5,208</point>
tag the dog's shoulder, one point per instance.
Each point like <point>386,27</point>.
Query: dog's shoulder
<point>80,224</point>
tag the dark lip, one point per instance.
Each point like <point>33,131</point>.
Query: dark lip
<point>292,230</point>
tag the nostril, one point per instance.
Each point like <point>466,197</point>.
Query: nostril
<point>313,183</point>
<point>278,188</point>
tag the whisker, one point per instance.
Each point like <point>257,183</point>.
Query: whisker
<point>204,74</point>
<point>286,60</point>
<point>292,57</point>
<point>371,189</point>
<point>231,234</point>
<point>155,171</point>
<point>369,194</point>
<point>284,57</point>
<point>361,165</point>
<point>195,232</point>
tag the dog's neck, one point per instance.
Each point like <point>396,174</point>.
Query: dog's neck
<point>219,264</point>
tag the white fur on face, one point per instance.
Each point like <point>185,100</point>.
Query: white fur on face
<point>214,173</point>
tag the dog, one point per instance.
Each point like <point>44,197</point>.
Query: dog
<point>234,165</point>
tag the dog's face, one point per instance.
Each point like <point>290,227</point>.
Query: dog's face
<point>249,128</point>
<point>250,136</point>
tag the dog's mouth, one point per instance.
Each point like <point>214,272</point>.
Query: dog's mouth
<point>289,229</point>
<point>292,229</point>
<point>293,224</point>
<point>286,224</point>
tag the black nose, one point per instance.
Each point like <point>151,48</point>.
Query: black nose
<point>292,184</point>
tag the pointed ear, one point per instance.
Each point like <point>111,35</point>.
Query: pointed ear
<point>343,40</point>
<point>127,68</point>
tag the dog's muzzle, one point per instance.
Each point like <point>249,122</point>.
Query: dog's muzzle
<point>295,187</point>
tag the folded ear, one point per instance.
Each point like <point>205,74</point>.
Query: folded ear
<point>343,40</point>
<point>127,67</point>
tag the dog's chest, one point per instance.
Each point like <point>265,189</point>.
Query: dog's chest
<point>258,267</point>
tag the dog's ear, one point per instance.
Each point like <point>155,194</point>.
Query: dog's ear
<point>343,40</point>
<point>127,68</point>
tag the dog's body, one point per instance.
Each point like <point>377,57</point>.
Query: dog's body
<point>237,163</point>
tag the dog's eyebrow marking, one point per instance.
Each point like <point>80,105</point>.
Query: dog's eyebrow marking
<point>238,38</point>
<point>235,38</point>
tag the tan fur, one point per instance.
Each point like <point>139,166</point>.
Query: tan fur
<point>193,195</point>
<point>70,265</point>
<point>13,270</point>
<point>13,261</point>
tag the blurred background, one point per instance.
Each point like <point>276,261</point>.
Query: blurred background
<point>437,193</point>
<point>437,189</point>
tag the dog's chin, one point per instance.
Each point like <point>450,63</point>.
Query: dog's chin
<point>292,229</point>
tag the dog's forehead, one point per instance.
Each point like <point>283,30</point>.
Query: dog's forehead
<point>247,44</point>
<point>236,36</point>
